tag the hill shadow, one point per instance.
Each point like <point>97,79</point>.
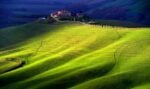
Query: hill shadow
<point>12,36</point>
<point>116,23</point>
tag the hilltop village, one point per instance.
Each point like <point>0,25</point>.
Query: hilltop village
<point>64,15</point>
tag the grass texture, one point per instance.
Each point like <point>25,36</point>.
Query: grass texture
<point>74,55</point>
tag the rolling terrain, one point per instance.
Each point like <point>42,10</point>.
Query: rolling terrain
<point>74,55</point>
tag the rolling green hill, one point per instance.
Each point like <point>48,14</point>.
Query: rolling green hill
<point>74,55</point>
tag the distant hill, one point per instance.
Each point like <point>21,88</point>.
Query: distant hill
<point>74,55</point>
<point>130,10</point>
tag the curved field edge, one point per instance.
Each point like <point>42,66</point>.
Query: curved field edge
<point>77,56</point>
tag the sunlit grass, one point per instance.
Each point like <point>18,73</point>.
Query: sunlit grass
<point>76,55</point>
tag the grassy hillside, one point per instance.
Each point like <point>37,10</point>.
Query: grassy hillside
<point>73,55</point>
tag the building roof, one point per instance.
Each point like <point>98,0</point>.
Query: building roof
<point>61,13</point>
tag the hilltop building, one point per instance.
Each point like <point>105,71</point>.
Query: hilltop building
<point>61,15</point>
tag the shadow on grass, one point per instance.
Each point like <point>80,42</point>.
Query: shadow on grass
<point>19,63</point>
<point>10,37</point>
<point>116,23</point>
<point>77,77</point>
<point>48,64</point>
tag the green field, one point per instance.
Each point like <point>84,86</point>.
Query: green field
<point>74,55</point>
